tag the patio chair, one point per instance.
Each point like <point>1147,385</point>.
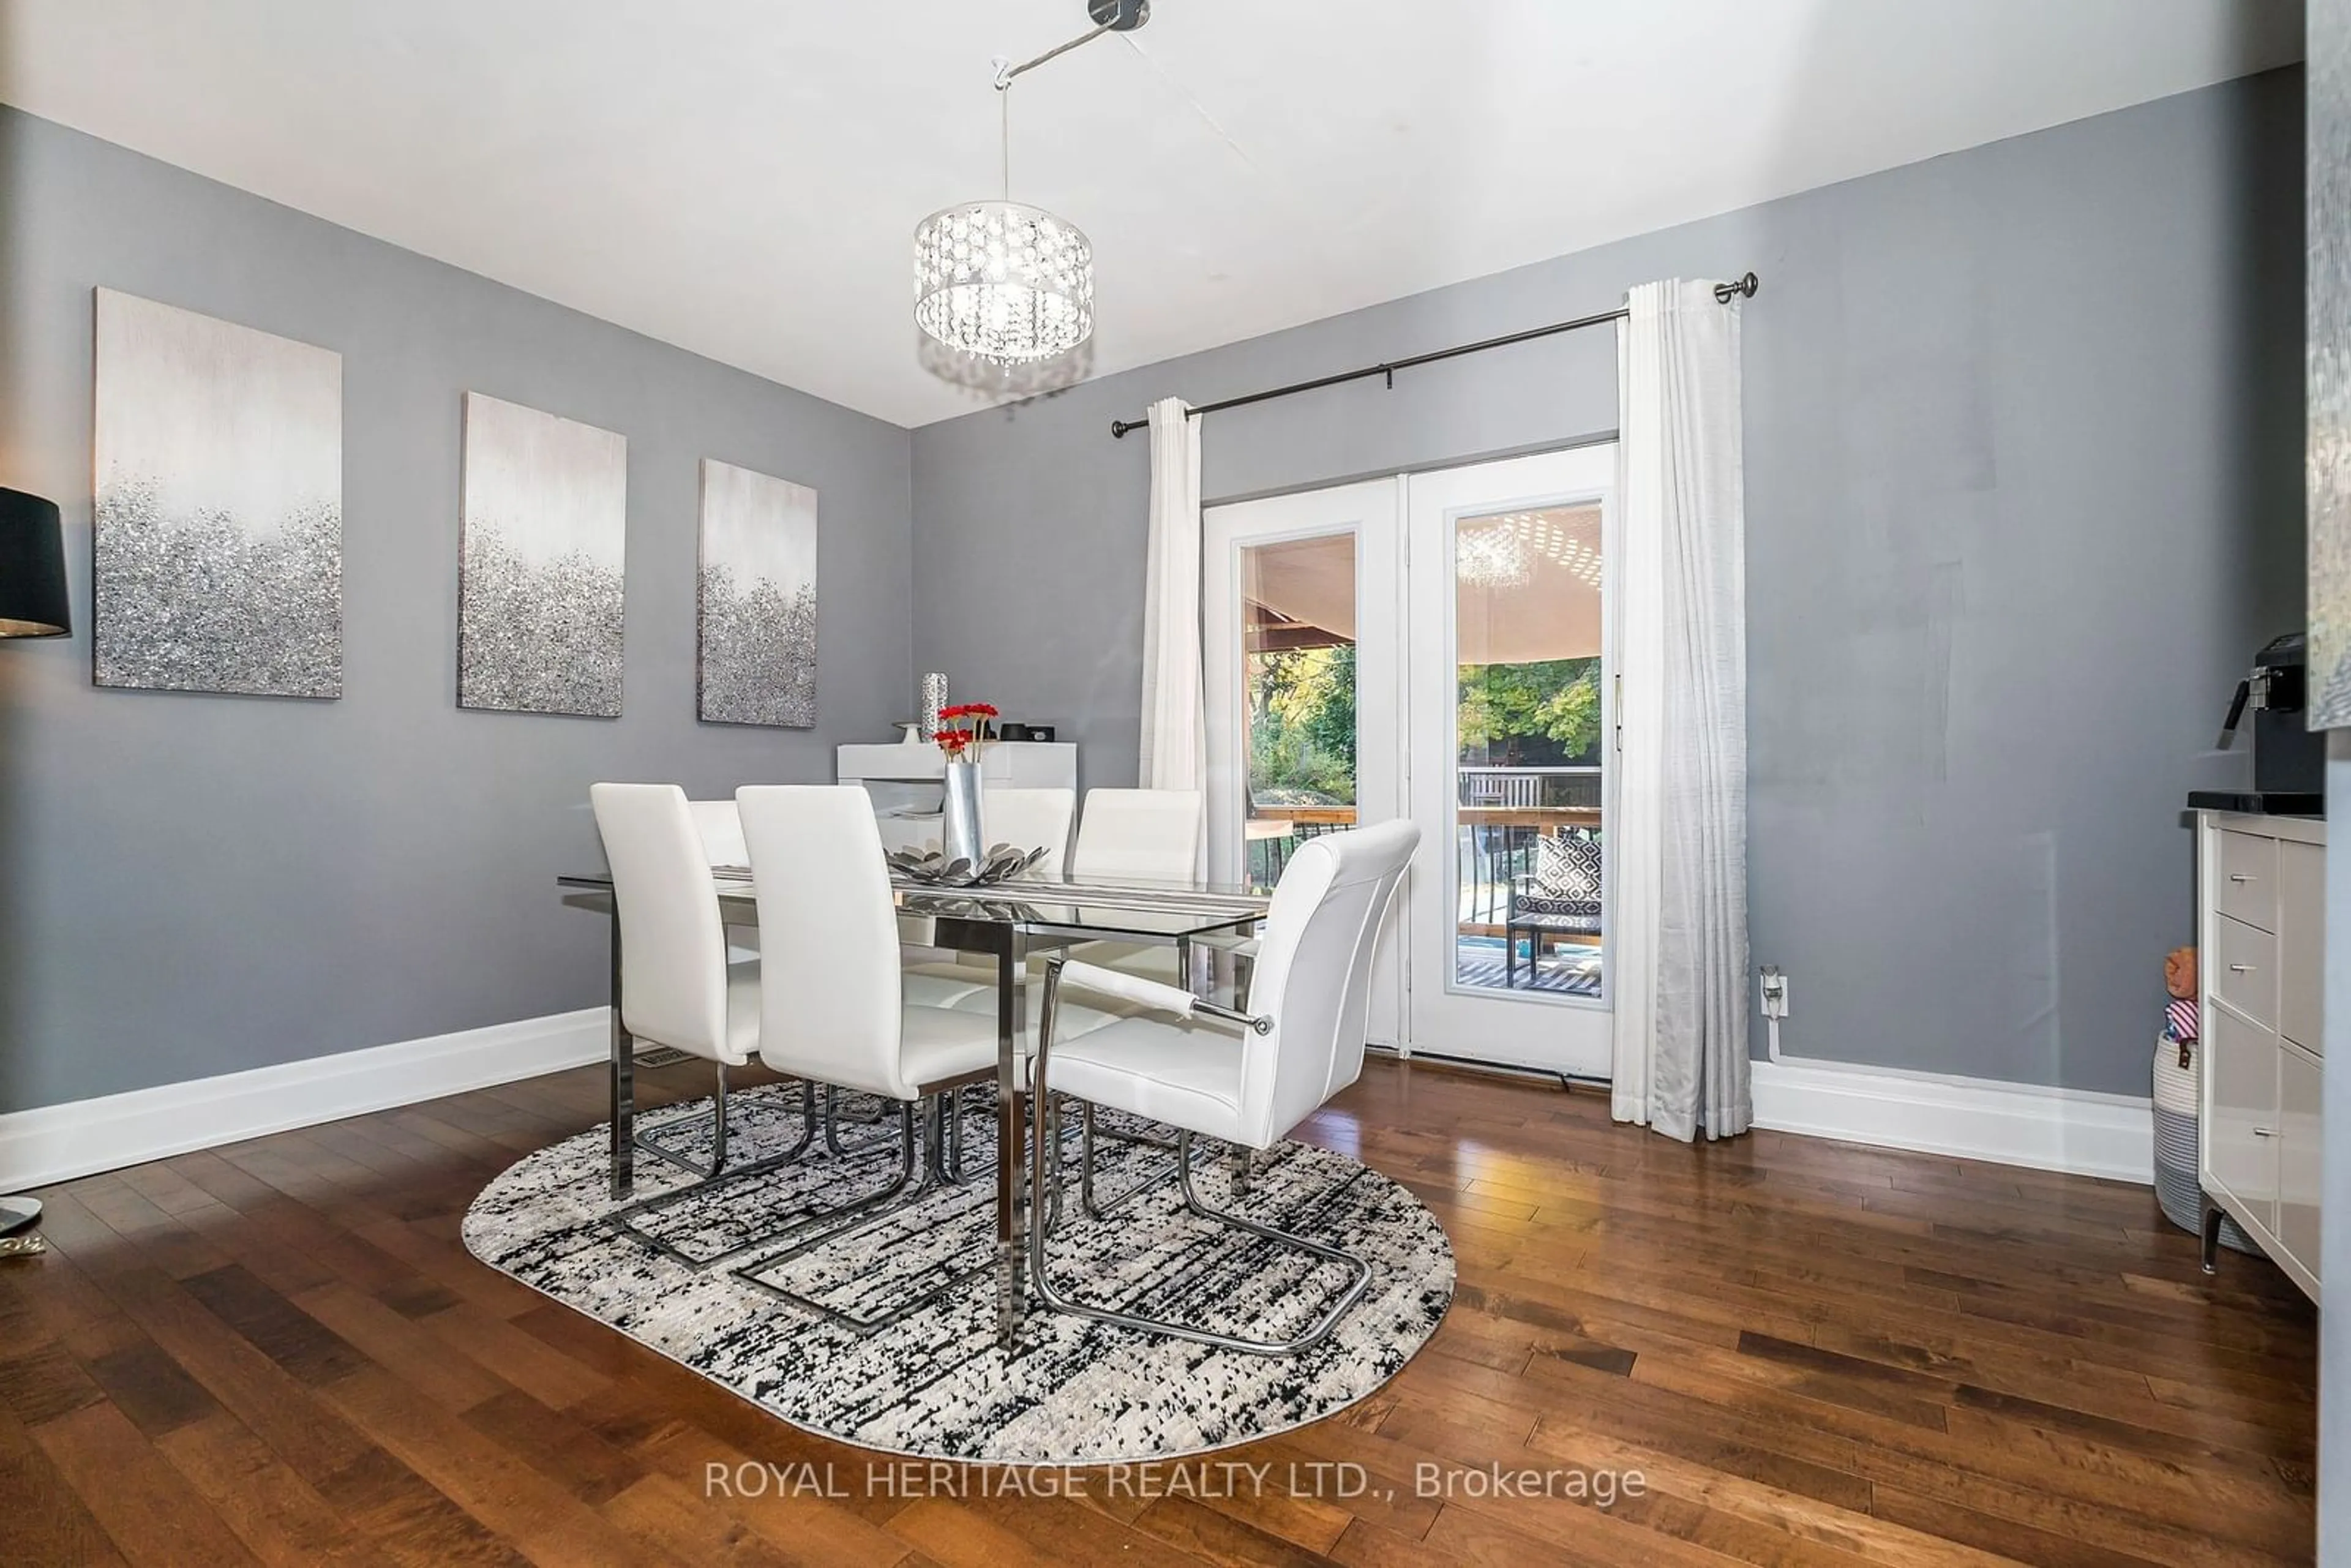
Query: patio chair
<point>1561,897</point>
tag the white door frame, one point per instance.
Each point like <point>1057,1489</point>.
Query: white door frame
<point>1372,512</point>
<point>1551,1033</point>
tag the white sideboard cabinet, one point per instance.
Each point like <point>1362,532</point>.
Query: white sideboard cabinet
<point>2261,939</point>
<point>904,781</point>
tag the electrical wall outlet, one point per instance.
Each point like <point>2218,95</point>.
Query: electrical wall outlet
<point>1775,992</point>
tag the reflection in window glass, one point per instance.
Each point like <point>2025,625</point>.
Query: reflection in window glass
<point>1528,713</point>
<point>1298,600</point>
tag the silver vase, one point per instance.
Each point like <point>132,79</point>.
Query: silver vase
<point>960,833</point>
<point>933,697</point>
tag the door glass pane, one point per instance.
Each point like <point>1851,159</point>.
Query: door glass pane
<point>1298,629</point>
<point>1527,834</point>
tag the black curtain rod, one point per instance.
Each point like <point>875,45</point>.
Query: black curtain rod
<point>1722,291</point>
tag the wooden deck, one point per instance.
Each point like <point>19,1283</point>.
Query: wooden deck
<point>1814,1353</point>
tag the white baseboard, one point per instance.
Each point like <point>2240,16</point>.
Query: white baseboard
<point>2072,1130</point>
<point>55,1143</point>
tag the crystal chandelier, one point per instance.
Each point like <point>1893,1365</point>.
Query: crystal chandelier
<point>1003,281</point>
<point>999,281</point>
<point>1492,555</point>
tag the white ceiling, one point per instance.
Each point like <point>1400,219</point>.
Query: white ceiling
<point>742,177</point>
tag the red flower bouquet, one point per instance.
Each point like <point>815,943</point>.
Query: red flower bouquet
<point>961,741</point>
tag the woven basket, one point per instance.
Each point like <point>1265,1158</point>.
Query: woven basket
<point>2175,1187</point>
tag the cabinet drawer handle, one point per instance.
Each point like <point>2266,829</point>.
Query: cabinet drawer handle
<point>2240,877</point>
<point>2240,968</point>
<point>2265,1131</point>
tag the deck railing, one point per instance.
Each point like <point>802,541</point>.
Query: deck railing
<point>1525,788</point>
<point>1501,812</point>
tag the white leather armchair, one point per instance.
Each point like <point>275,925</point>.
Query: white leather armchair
<point>1245,1078</point>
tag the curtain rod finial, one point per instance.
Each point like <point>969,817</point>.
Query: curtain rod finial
<point>1745,286</point>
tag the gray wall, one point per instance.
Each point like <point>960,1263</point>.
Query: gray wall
<point>2023,466</point>
<point>197,885</point>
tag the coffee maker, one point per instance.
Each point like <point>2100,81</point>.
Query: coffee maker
<point>2289,758</point>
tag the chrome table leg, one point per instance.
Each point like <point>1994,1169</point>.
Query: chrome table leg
<point>625,1080</point>
<point>954,1137</point>
<point>1011,1193</point>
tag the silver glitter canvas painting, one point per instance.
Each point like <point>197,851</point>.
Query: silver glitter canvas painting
<point>756,662</point>
<point>218,557</point>
<point>540,589</point>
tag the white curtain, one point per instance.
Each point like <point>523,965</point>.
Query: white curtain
<point>1175,734</point>
<point>1678,940</point>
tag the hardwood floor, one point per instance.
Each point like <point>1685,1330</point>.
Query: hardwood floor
<point>277,1352</point>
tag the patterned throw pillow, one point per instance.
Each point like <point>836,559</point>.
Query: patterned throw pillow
<point>1567,865</point>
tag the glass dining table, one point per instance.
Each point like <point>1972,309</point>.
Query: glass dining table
<point>1005,922</point>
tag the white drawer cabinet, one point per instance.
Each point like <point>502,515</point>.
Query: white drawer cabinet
<point>2300,1157</point>
<point>2262,936</point>
<point>2241,1104</point>
<point>2244,880</point>
<point>2301,946</point>
<point>2243,960</point>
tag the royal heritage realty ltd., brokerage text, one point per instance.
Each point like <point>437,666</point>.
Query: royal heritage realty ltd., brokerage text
<point>1175,1478</point>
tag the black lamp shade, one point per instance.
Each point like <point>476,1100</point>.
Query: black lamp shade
<point>32,568</point>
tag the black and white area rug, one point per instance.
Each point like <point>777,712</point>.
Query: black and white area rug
<point>934,1382</point>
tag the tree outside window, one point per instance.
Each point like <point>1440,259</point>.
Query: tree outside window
<point>1301,720</point>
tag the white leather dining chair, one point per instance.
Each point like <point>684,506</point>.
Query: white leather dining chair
<point>1139,835</point>
<point>1151,834</point>
<point>1244,1078</point>
<point>832,1007</point>
<point>835,1004</point>
<point>677,987</point>
<point>1031,819</point>
<point>721,827</point>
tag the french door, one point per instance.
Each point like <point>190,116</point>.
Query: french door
<point>1436,645</point>
<point>1301,616</point>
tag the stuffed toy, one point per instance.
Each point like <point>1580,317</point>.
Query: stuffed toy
<point>2180,1016</point>
<point>2180,973</point>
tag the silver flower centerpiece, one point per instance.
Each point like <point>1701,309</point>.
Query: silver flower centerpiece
<point>966,731</point>
<point>1001,863</point>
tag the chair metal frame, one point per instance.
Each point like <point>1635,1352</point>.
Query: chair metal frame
<point>1045,1136</point>
<point>942,1166</point>
<point>623,1219</point>
<point>648,1139</point>
<point>941,1134</point>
